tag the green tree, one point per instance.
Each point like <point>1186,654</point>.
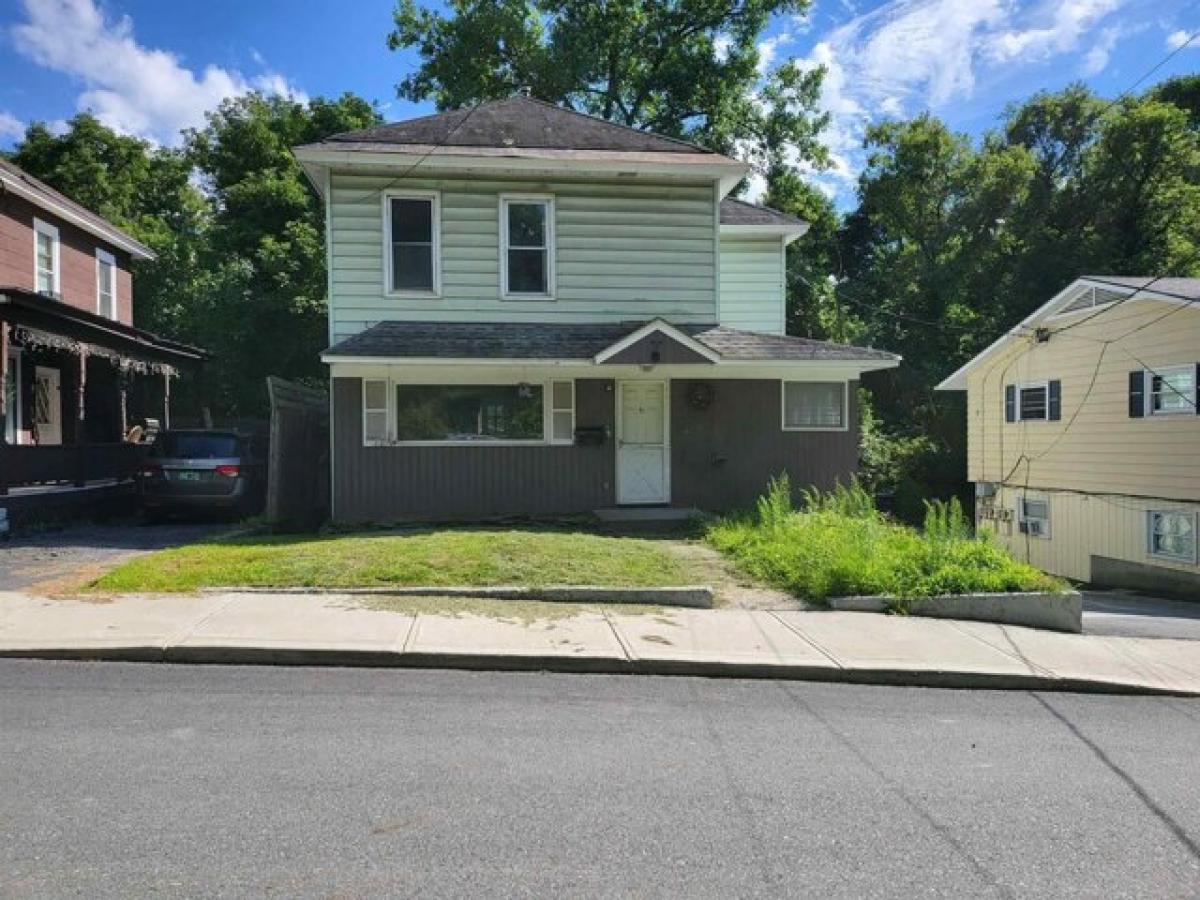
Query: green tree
<point>260,305</point>
<point>683,68</point>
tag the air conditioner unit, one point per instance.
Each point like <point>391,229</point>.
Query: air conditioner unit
<point>1033,527</point>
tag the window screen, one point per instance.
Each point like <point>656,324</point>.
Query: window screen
<point>814,404</point>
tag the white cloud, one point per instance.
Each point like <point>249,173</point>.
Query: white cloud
<point>910,55</point>
<point>132,88</point>
<point>1097,57</point>
<point>10,126</point>
<point>769,47</point>
<point>1177,39</point>
<point>721,45</point>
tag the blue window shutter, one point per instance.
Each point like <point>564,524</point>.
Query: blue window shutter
<point>1137,394</point>
<point>1054,401</point>
<point>1010,403</point>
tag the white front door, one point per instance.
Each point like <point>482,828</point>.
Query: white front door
<point>47,405</point>
<point>643,446</point>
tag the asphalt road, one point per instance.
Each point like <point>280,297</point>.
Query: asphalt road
<point>131,780</point>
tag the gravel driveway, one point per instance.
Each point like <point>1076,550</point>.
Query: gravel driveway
<point>64,559</point>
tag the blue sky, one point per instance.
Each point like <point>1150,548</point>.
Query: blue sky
<point>149,67</point>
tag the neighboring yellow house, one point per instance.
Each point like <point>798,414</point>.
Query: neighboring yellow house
<point>1083,433</point>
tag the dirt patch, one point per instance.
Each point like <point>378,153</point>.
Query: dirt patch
<point>734,590</point>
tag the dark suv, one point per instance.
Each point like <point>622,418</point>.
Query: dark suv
<point>202,470</point>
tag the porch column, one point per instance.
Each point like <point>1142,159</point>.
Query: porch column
<point>166,422</point>
<point>4,386</point>
<point>122,399</point>
<point>80,415</point>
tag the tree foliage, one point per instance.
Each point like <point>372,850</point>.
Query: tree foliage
<point>683,68</point>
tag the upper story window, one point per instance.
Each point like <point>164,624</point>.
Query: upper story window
<point>412,251</point>
<point>106,284</point>
<point>1165,391</point>
<point>814,405</point>
<point>46,270</point>
<point>527,245</point>
<point>1033,402</point>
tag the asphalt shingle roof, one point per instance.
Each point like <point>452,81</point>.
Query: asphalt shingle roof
<point>555,340</point>
<point>517,122</point>
<point>739,212</point>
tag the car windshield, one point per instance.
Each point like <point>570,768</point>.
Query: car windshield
<point>197,445</point>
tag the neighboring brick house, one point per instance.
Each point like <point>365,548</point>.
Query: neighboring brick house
<point>76,372</point>
<point>537,312</point>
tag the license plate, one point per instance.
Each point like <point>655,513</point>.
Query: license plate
<point>187,476</point>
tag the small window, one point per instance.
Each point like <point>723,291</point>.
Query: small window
<point>1171,391</point>
<point>45,258</point>
<point>527,245</point>
<point>1172,535</point>
<point>375,411</point>
<point>468,413</point>
<point>562,412</point>
<point>1034,517</point>
<point>1034,402</point>
<point>413,243</point>
<point>814,405</point>
<point>106,284</point>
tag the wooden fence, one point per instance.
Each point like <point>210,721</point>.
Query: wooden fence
<point>298,461</point>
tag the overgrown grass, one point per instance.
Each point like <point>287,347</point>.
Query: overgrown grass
<point>840,545</point>
<point>442,557</point>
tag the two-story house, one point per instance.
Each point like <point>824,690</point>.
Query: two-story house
<point>534,311</point>
<point>76,372</point>
<point>1083,433</point>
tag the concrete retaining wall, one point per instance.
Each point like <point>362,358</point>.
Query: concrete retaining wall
<point>1055,612</point>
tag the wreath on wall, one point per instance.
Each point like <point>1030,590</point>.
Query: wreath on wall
<point>700,395</point>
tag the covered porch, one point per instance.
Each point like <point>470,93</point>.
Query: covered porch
<point>82,395</point>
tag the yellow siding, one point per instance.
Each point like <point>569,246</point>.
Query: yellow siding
<point>752,283</point>
<point>1096,447</point>
<point>1083,526</point>
<point>623,251</point>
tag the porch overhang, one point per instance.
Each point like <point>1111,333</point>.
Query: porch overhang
<point>52,323</point>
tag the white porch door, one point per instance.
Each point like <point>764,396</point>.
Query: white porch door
<point>643,449</point>
<point>47,405</point>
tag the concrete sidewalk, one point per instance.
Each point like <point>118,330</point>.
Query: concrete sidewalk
<point>344,629</point>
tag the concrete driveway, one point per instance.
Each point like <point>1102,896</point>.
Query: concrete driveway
<point>1125,614</point>
<point>64,558</point>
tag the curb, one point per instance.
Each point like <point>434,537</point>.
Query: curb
<point>605,665</point>
<point>697,596</point>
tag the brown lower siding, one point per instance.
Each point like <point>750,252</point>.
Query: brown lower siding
<point>722,457</point>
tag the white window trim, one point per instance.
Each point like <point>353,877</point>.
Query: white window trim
<point>548,410</point>
<point>551,286</point>
<point>1148,392</point>
<point>1029,385</point>
<point>784,382</point>
<point>104,258</point>
<point>1151,552</point>
<point>386,409</point>
<point>1021,517</point>
<point>51,231</point>
<point>435,198</point>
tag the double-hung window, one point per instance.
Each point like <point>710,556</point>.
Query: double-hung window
<point>106,284</point>
<point>1172,535</point>
<point>527,246</point>
<point>412,242</point>
<point>47,274</point>
<point>1033,402</point>
<point>1171,391</point>
<point>814,405</point>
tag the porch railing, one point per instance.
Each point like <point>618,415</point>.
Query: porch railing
<point>68,463</point>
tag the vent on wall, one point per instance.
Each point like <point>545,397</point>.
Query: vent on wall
<point>1090,298</point>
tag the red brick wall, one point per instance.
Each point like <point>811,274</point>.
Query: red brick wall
<point>77,257</point>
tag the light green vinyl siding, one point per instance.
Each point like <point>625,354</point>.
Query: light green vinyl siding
<point>624,251</point>
<point>752,283</point>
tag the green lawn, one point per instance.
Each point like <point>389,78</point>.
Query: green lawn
<point>443,557</point>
